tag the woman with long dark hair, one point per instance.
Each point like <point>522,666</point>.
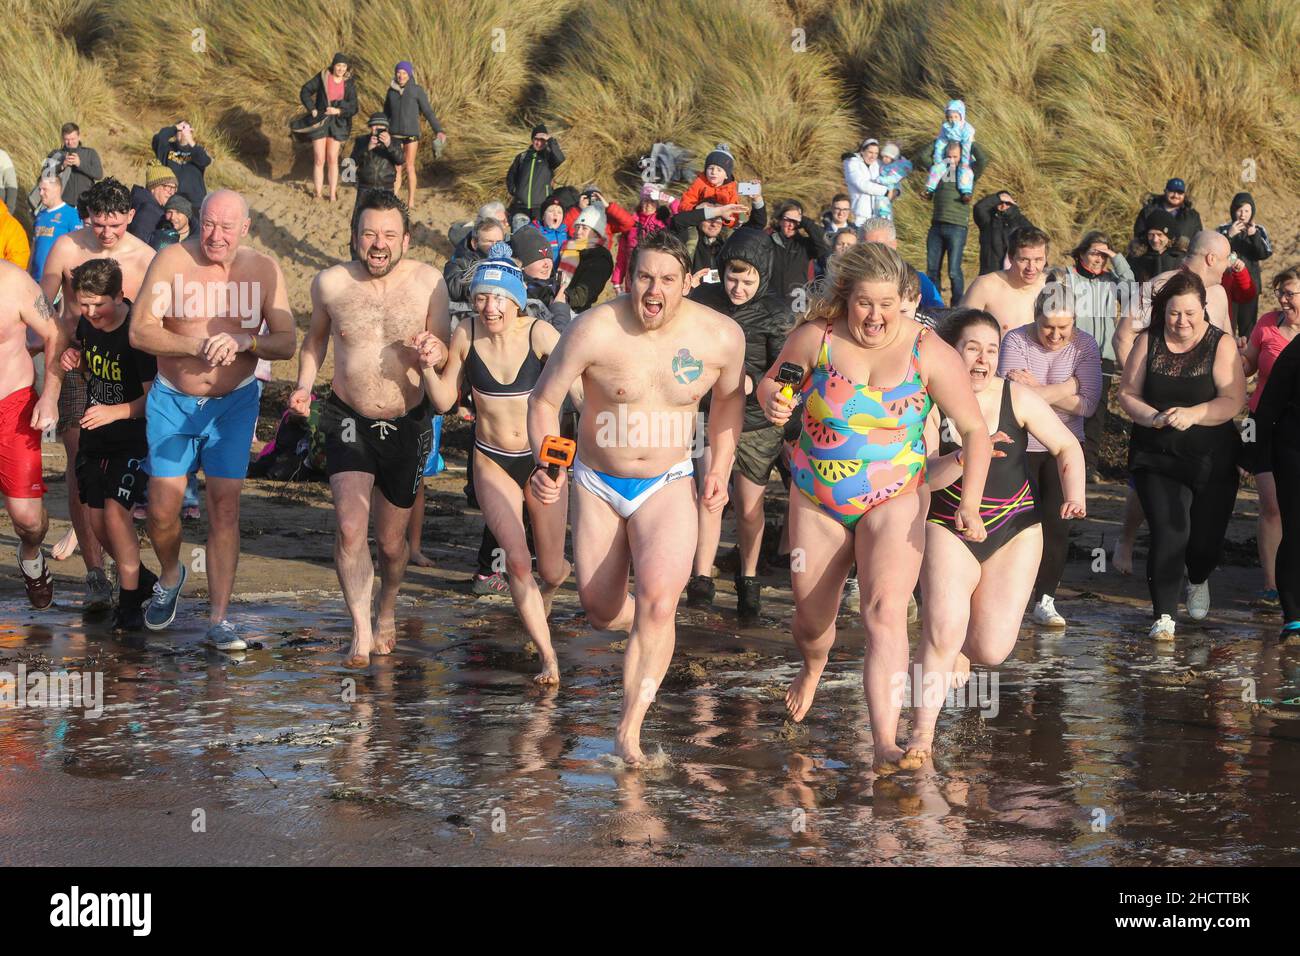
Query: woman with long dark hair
<point>330,93</point>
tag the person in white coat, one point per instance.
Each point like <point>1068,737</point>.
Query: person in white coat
<point>861,172</point>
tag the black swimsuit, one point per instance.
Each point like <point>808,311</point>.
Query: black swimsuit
<point>517,464</point>
<point>1007,507</point>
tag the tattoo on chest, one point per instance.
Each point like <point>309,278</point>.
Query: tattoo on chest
<point>686,367</point>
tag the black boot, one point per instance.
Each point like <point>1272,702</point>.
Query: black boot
<point>749,599</point>
<point>700,590</point>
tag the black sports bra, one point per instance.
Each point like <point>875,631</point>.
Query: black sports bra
<point>481,380</point>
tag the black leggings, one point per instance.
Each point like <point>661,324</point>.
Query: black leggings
<point>1286,475</point>
<point>1187,525</point>
<point>1045,482</point>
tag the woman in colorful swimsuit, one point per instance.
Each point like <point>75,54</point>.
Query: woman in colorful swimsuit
<point>859,465</point>
<point>976,591</point>
<point>499,353</point>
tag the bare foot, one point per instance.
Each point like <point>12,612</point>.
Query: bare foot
<point>961,676</point>
<point>915,758</point>
<point>358,654</point>
<point>550,672</point>
<point>888,760</point>
<point>66,547</point>
<point>800,695</point>
<point>548,593</point>
<point>385,640</point>
<point>421,560</point>
<point>629,750</point>
<point>1122,559</point>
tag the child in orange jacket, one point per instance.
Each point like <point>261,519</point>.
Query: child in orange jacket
<point>716,185</point>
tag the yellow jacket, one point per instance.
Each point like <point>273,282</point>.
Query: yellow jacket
<point>13,240</point>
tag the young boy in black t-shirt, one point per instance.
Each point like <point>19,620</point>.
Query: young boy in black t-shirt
<point>110,461</point>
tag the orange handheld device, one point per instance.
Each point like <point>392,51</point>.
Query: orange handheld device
<point>791,377</point>
<point>557,453</point>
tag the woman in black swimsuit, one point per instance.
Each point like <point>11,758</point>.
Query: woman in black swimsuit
<point>500,352</point>
<point>976,591</point>
<point>1183,384</point>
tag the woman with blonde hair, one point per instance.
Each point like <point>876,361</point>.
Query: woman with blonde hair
<point>859,465</point>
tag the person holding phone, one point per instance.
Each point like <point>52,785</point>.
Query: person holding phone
<point>176,147</point>
<point>1251,245</point>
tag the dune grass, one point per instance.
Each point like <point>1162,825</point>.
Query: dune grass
<point>1193,88</point>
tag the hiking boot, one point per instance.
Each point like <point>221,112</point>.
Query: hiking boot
<point>40,589</point>
<point>492,583</point>
<point>161,610</point>
<point>99,594</point>
<point>700,590</point>
<point>749,598</point>
<point>224,637</point>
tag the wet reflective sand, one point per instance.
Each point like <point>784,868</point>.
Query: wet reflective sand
<point>1104,750</point>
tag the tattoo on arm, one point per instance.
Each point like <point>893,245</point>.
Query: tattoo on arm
<point>43,308</point>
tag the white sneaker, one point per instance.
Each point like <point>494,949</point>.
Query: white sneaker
<point>1198,600</point>
<point>1045,613</point>
<point>1163,629</point>
<point>851,597</point>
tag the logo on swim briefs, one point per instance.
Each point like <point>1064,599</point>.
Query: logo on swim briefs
<point>213,300</point>
<point>686,367</point>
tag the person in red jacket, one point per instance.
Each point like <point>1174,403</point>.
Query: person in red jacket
<point>653,213</point>
<point>716,185</point>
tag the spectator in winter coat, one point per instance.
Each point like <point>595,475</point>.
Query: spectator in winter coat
<point>587,259</point>
<point>997,216</point>
<point>706,239</point>
<point>529,179</point>
<point>953,130</point>
<point>459,270</point>
<point>56,218</point>
<point>950,221</point>
<point>1159,250</point>
<point>331,93</point>
<point>862,176</point>
<point>375,158</point>
<point>716,184</point>
<point>893,170</point>
<point>1250,242</point>
<point>1174,201</point>
<point>176,148</point>
<point>839,216</point>
<point>404,104</point>
<point>150,200</point>
<point>550,223</point>
<point>547,298</point>
<point>78,166</point>
<point>175,226</point>
<point>800,242</point>
<point>742,293</point>
<point>653,213</point>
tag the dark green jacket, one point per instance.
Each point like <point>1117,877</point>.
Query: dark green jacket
<point>948,207</point>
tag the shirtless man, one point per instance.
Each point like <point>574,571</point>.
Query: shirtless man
<point>1009,294</point>
<point>1207,257</point>
<point>377,422</point>
<point>23,417</point>
<point>648,356</point>
<point>108,214</point>
<point>199,311</point>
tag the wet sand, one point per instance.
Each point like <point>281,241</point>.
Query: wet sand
<point>1105,749</point>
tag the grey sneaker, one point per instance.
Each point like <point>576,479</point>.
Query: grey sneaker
<point>162,606</point>
<point>99,593</point>
<point>492,583</point>
<point>851,597</point>
<point>224,637</point>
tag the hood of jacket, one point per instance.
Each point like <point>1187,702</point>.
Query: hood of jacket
<point>751,246</point>
<point>1240,200</point>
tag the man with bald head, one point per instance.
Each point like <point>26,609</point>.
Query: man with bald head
<point>1207,258</point>
<point>200,311</point>
<point>879,229</point>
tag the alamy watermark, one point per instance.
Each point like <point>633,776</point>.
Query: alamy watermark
<point>53,690</point>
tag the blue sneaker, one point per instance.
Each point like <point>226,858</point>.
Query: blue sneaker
<point>224,637</point>
<point>162,606</point>
<point>1289,629</point>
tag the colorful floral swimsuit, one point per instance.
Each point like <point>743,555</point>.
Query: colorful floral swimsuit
<point>860,445</point>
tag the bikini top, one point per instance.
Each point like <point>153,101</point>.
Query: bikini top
<point>481,380</point>
<point>839,412</point>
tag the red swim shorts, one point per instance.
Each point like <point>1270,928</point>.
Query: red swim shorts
<point>20,447</point>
